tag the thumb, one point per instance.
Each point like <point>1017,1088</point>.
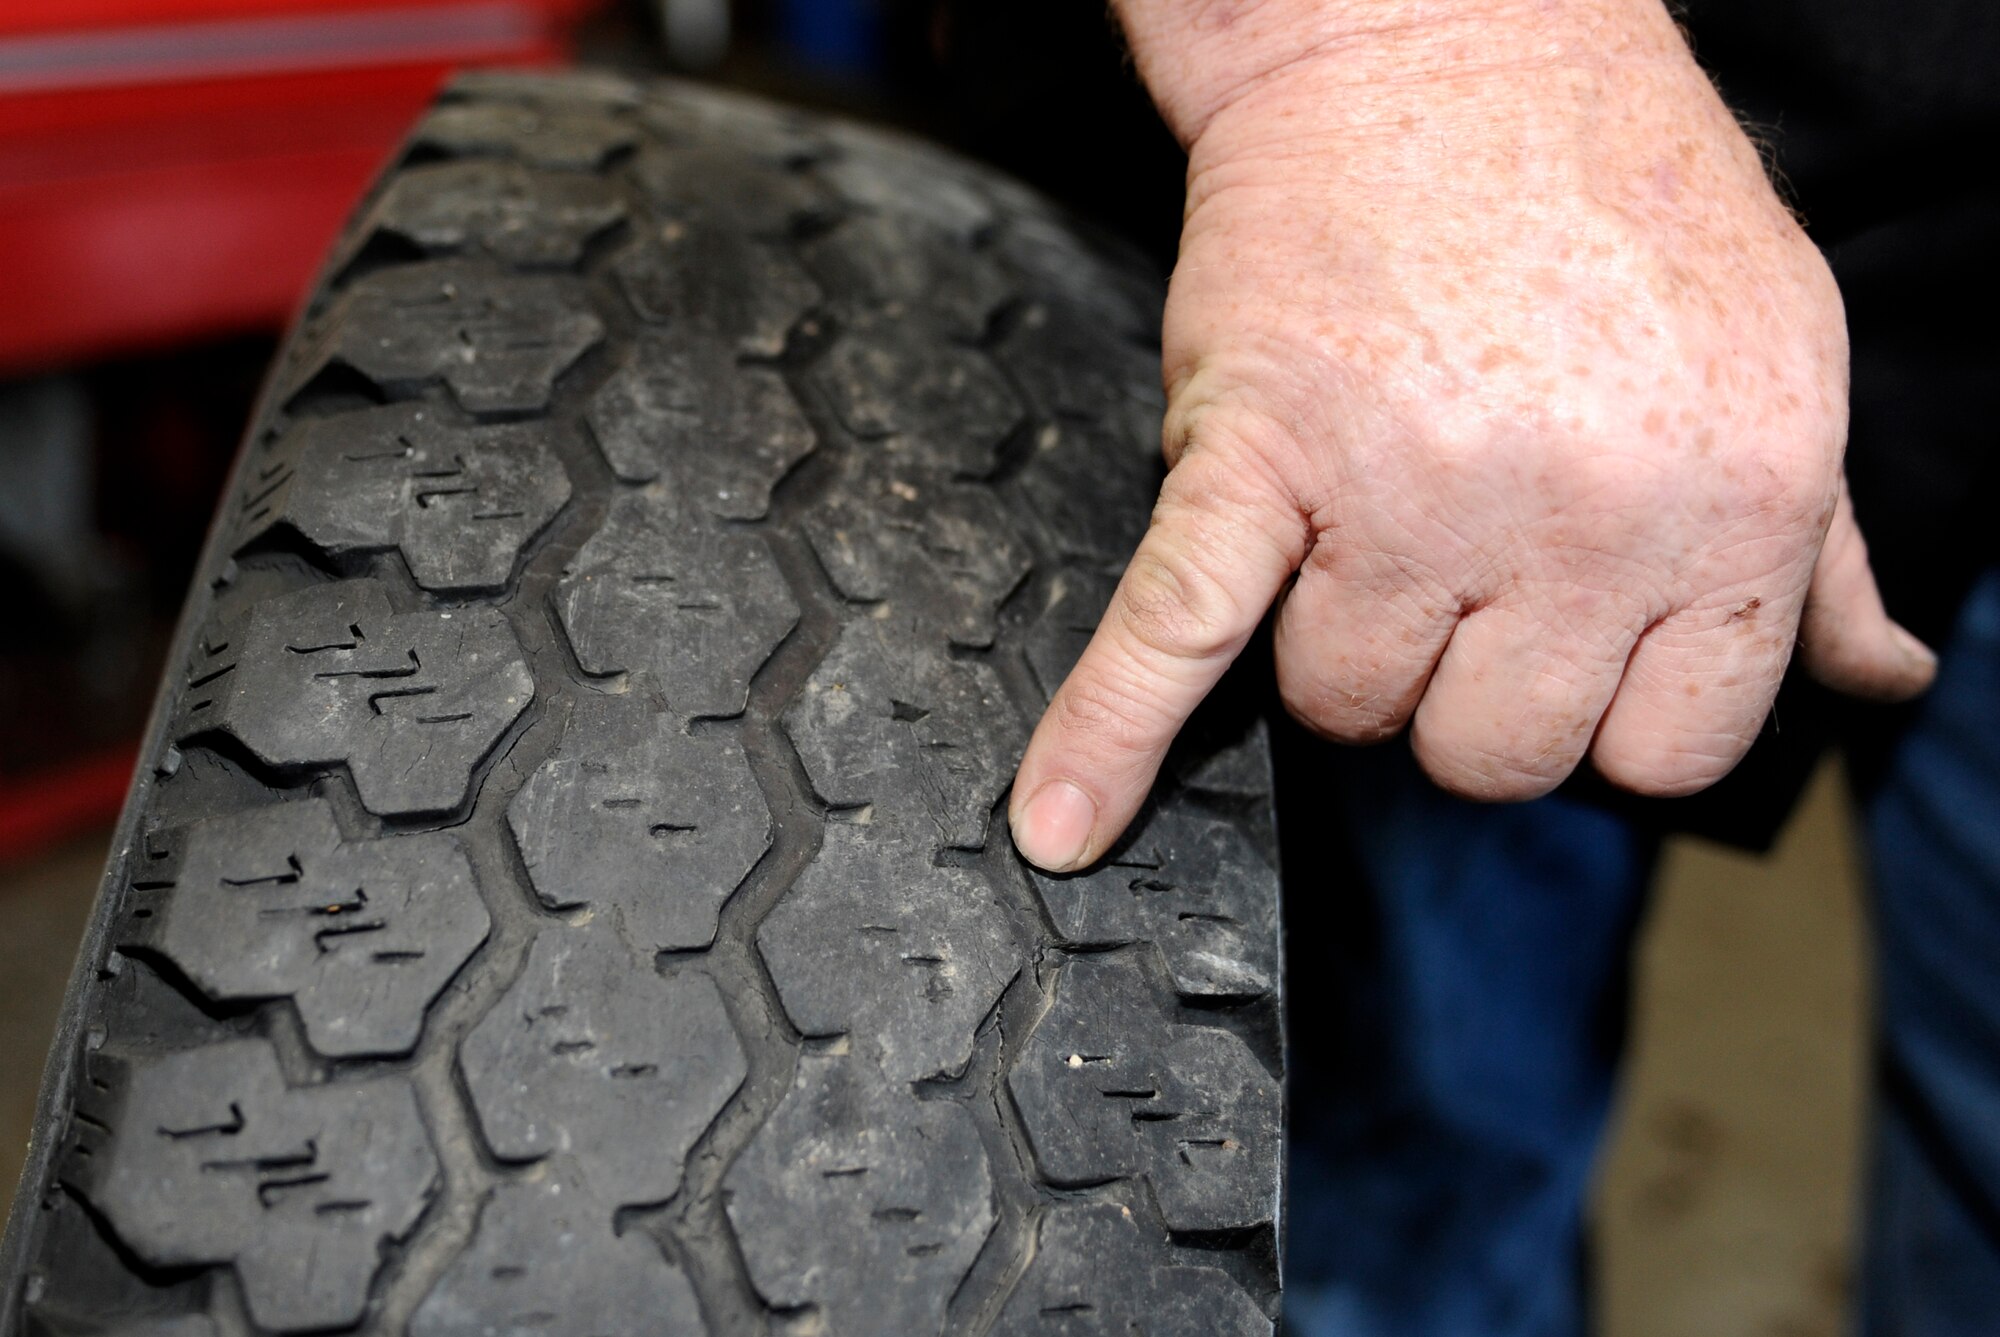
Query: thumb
<point>1846,638</point>
<point>1223,541</point>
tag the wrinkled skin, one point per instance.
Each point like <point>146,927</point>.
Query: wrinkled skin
<point>1494,358</point>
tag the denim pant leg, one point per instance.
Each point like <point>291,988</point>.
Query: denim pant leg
<point>1932,1254</point>
<point>1457,1015</point>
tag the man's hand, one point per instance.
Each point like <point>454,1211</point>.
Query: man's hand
<point>1492,351</point>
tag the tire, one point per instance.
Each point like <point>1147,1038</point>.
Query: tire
<point>568,890</point>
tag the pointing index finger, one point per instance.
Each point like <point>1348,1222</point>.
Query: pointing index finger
<point>1222,543</point>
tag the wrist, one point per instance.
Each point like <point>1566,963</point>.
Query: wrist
<point>1200,57</point>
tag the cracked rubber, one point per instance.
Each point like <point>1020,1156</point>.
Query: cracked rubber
<point>568,888</point>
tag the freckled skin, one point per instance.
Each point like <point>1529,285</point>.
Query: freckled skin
<point>1490,347</point>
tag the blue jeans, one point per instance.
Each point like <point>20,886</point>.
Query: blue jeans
<point>1455,1056</point>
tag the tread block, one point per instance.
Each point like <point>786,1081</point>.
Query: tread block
<point>1121,290</point>
<point>1109,1086</point>
<point>680,112</point>
<point>497,341</point>
<point>214,1160</point>
<point>940,553</point>
<point>328,675</point>
<point>587,89</point>
<point>719,433</point>
<point>652,826</point>
<point>543,1258</point>
<point>886,719</point>
<point>458,502</point>
<point>180,1325</point>
<point>554,134</point>
<point>1225,752</point>
<point>1192,884</point>
<point>1073,602</point>
<point>692,607</point>
<point>115,1297</point>
<point>857,1200</point>
<point>524,217</point>
<point>942,406</point>
<point>701,278</point>
<point>1075,466</point>
<point>904,958</point>
<point>713,184</point>
<point>892,263</point>
<point>1059,355</point>
<point>1095,1275</point>
<point>593,1055</point>
<point>889,173</point>
<point>361,935</point>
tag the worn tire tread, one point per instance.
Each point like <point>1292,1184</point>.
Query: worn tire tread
<point>567,888</point>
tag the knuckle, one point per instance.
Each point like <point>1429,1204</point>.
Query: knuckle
<point>1171,606</point>
<point>1794,489</point>
<point>1357,710</point>
<point>1488,774</point>
<point>1668,768</point>
<point>1107,719</point>
<point>1223,405</point>
<point>1343,719</point>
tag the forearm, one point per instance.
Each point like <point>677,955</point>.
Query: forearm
<point>1199,56</point>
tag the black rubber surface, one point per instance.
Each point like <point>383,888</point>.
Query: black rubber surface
<point>568,890</point>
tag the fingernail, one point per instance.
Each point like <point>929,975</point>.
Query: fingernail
<point>1054,830</point>
<point>1917,651</point>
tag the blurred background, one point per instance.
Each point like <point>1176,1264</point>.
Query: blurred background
<point>171,172</point>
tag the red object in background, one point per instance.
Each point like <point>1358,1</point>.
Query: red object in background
<point>175,169</point>
<point>39,812</point>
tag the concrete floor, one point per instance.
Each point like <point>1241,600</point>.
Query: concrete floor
<point>1726,1204</point>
